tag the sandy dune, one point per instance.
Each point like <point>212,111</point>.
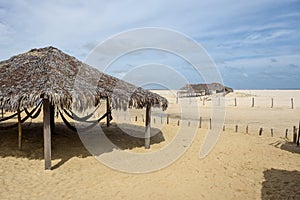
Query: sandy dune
<point>241,166</point>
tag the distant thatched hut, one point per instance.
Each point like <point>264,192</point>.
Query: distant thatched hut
<point>195,90</point>
<point>56,78</point>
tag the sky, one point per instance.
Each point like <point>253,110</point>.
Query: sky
<point>254,44</point>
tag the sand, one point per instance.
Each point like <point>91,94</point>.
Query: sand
<point>241,166</point>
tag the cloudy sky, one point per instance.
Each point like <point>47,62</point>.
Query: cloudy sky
<point>254,44</point>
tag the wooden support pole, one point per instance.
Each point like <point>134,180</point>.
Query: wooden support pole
<point>272,132</point>
<point>224,127</point>
<point>235,103</point>
<point>272,103</point>
<point>236,128</point>
<point>107,110</point>
<point>210,126</point>
<point>260,131</point>
<point>167,119</point>
<point>178,122</point>
<point>47,133</point>
<point>294,134</point>
<point>200,122</point>
<point>148,126</point>
<point>292,103</point>
<point>52,120</point>
<point>136,118</point>
<point>252,101</point>
<point>286,132</point>
<point>19,130</point>
<point>247,129</point>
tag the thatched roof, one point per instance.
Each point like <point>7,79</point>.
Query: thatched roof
<point>204,87</point>
<point>50,73</point>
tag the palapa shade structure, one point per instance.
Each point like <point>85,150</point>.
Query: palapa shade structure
<point>63,82</point>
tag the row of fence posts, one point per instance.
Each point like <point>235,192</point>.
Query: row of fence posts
<point>252,102</point>
<point>272,102</point>
<point>295,136</point>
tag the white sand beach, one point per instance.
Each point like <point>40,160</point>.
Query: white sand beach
<point>241,165</point>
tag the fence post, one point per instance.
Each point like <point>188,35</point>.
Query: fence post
<point>272,132</point>
<point>252,101</point>
<point>247,129</point>
<point>292,103</point>
<point>235,103</point>
<point>210,127</point>
<point>294,134</point>
<point>272,103</point>
<point>236,128</point>
<point>167,119</point>
<point>200,121</point>
<point>286,132</point>
<point>260,131</point>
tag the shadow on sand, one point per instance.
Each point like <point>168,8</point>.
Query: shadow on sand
<point>281,184</point>
<point>66,144</point>
<point>286,146</point>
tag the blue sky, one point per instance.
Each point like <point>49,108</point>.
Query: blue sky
<point>255,44</point>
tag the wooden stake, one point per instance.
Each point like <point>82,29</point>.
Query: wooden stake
<point>178,122</point>
<point>235,103</point>
<point>107,110</point>
<point>272,132</point>
<point>247,129</point>
<point>148,126</point>
<point>260,131</point>
<point>47,134</point>
<point>298,135</point>
<point>294,134</point>
<point>210,127</point>
<point>224,127</point>
<point>252,101</point>
<point>200,121</point>
<point>236,128</point>
<point>167,119</point>
<point>272,103</point>
<point>189,123</point>
<point>292,103</point>
<point>136,118</point>
<point>19,130</point>
<point>286,132</point>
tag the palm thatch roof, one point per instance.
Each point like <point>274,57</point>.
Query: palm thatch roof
<point>218,87</point>
<point>67,83</point>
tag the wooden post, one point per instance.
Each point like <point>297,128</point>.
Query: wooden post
<point>298,135</point>
<point>286,132</point>
<point>252,101</point>
<point>210,127</point>
<point>235,103</point>
<point>272,103</point>
<point>148,126</point>
<point>136,118</point>
<point>294,134</point>
<point>260,131</point>
<point>47,133</point>
<point>272,132</point>
<point>224,127</point>
<point>52,120</point>
<point>189,123</point>
<point>236,128</point>
<point>178,122</point>
<point>177,98</point>
<point>143,118</point>
<point>292,103</point>
<point>167,119</point>
<point>247,129</point>
<point>107,110</point>
<point>200,122</point>
<point>19,130</point>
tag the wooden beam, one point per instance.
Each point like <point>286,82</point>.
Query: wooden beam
<point>107,110</point>
<point>148,126</point>
<point>47,134</point>
<point>19,130</point>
